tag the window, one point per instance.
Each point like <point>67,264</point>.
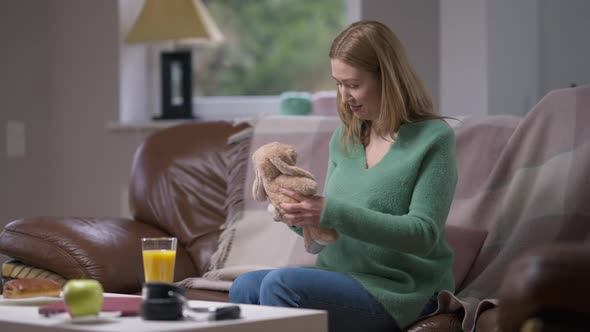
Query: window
<point>271,46</point>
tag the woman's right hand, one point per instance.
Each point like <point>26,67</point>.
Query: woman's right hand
<point>305,212</point>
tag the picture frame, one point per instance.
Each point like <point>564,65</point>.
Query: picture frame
<point>176,71</point>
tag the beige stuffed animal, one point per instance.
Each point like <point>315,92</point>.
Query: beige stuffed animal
<point>274,165</point>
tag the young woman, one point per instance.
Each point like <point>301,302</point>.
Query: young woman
<point>390,182</point>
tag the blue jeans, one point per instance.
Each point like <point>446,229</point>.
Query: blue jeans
<point>348,304</point>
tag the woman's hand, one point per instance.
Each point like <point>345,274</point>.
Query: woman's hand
<point>306,212</point>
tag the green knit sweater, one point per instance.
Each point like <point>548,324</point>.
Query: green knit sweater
<point>391,217</point>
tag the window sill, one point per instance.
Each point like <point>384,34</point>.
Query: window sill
<point>147,126</point>
<point>231,109</point>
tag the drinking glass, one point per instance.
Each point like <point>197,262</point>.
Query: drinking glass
<point>159,257</point>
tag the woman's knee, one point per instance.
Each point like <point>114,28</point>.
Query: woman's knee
<point>280,288</point>
<point>278,278</point>
<point>245,289</point>
<point>236,291</point>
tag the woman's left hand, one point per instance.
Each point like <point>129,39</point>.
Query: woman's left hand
<point>306,212</point>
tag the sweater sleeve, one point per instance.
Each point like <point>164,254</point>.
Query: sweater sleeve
<point>331,166</point>
<point>418,231</point>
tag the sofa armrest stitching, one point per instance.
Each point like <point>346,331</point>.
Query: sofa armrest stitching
<point>64,252</point>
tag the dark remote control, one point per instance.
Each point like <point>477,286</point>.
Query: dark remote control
<point>220,313</point>
<point>227,312</point>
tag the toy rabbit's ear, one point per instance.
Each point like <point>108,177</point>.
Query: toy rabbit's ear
<point>258,188</point>
<point>285,168</point>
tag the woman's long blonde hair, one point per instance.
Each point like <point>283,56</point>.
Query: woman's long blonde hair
<point>372,46</point>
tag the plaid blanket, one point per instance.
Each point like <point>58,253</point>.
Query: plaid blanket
<point>527,182</point>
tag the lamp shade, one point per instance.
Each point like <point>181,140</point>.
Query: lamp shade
<point>180,20</point>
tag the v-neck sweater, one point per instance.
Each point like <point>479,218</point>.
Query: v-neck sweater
<point>391,217</point>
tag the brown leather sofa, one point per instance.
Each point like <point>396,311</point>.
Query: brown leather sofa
<point>547,289</point>
<point>180,179</point>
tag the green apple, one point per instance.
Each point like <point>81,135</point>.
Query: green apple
<point>83,297</point>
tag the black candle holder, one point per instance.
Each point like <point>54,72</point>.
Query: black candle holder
<point>176,70</point>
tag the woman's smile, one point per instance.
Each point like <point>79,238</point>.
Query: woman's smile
<point>355,108</point>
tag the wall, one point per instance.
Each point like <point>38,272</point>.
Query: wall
<point>25,95</point>
<point>135,73</point>
<point>564,49</point>
<point>416,23</point>
<point>463,57</point>
<point>513,37</point>
<point>91,163</point>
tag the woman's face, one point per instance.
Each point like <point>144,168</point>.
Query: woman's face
<point>360,90</point>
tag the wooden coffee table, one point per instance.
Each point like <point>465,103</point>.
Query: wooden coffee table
<point>20,318</point>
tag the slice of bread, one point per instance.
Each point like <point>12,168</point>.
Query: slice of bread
<point>25,288</point>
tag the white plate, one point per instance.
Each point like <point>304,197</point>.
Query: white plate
<point>30,301</point>
<point>101,318</point>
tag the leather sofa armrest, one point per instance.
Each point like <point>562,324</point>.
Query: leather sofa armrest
<point>545,280</point>
<point>444,322</point>
<point>107,250</point>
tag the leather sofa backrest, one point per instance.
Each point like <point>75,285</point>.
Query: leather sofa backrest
<point>178,184</point>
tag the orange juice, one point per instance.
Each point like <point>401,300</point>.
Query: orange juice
<point>158,265</point>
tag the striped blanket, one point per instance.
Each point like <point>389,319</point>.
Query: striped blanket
<point>527,182</point>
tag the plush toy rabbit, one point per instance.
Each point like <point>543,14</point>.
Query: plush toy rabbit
<point>274,165</point>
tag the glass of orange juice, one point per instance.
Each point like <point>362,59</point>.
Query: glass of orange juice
<point>159,256</point>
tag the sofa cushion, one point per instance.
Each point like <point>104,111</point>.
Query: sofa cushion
<point>206,295</point>
<point>325,103</point>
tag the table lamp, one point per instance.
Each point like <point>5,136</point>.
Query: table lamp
<point>184,22</point>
